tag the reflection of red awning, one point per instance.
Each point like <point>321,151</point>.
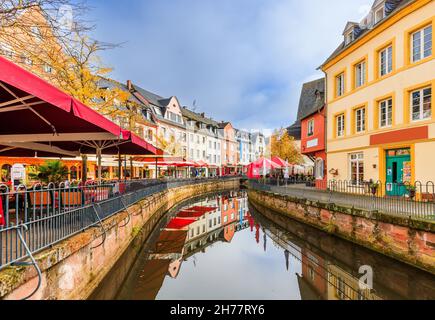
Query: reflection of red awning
<point>190,214</point>
<point>202,209</point>
<point>178,224</point>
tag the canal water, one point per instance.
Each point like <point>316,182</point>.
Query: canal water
<point>221,247</point>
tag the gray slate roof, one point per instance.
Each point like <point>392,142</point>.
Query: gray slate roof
<point>311,101</point>
<point>399,6</point>
<point>189,114</point>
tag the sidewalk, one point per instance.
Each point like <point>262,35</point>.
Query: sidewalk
<point>393,206</point>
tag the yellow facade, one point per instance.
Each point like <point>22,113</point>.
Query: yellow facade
<point>377,91</point>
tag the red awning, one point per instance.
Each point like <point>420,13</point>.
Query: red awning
<point>178,224</point>
<point>30,105</point>
<point>202,164</point>
<point>32,110</point>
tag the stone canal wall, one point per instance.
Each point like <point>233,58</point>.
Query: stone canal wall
<point>408,240</point>
<point>73,269</point>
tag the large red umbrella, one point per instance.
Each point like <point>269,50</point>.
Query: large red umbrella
<point>51,119</point>
<point>282,163</point>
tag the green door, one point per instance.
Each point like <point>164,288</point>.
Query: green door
<point>398,172</point>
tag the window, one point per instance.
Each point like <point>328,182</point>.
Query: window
<point>379,14</point>
<point>360,74</point>
<point>311,273</point>
<point>421,104</point>
<point>340,125</point>
<point>341,289</point>
<point>48,69</point>
<point>339,85</point>
<point>311,127</point>
<point>357,168</point>
<point>360,120</point>
<point>225,219</point>
<point>37,33</point>
<point>319,169</point>
<point>386,113</point>
<point>386,61</point>
<point>6,51</point>
<point>349,37</point>
<point>421,44</point>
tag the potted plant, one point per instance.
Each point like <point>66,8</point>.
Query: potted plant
<point>374,187</point>
<point>412,191</point>
<point>51,172</point>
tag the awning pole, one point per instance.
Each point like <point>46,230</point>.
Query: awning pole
<point>99,164</point>
<point>84,168</point>
<point>125,168</point>
<point>119,166</point>
<point>157,168</point>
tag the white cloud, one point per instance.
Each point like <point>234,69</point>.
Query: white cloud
<point>244,61</point>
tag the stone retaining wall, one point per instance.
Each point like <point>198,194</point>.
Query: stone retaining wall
<point>72,269</point>
<point>408,240</point>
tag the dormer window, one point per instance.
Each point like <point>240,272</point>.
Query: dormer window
<point>350,36</point>
<point>379,14</point>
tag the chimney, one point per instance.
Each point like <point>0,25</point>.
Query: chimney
<point>203,115</point>
<point>129,85</point>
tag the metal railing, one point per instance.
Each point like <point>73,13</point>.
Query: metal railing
<point>399,199</point>
<point>44,216</point>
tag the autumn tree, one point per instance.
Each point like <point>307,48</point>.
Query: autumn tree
<point>170,145</point>
<point>284,146</point>
<point>49,38</point>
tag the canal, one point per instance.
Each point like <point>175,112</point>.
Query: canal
<point>220,247</point>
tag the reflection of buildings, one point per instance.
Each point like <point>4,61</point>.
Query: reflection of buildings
<point>321,279</point>
<point>313,282</point>
<point>344,286</point>
<point>217,219</point>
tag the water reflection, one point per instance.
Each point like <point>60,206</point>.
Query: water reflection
<point>221,248</point>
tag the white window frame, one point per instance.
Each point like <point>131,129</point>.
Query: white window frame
<point>423,49</point>
<point>386,105</point>
<point>310,128</point>
<point>377,20</point>
<point>320,169</point>
<point>360,120</point>
<point>421,105</point>
<point>360,74</point>
<point>388,61</point>
<point>340,84</point>
<point>340,128</point>
<point>357,158</point>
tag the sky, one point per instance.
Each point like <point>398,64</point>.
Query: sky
<point>242,61</point>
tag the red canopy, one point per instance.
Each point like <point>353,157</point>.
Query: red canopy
<point>33,110</point>
<point>202,164</point>
<point>282,163</point>
<point>255,169</point>
<point>178,223</point>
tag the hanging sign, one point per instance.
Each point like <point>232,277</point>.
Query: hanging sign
<point>407,172</point>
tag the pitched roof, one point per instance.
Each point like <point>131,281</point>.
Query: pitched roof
<point>112,84</point>
<point>152,97</point>
<point>312,100</point>
<point>394,6</point>
<point>189,114</point>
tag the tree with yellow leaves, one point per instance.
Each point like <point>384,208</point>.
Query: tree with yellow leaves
<point>62,54</point>
<point>284,146</point>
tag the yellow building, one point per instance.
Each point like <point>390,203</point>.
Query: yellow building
<point>381,121</point>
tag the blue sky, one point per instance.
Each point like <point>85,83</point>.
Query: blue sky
<point>243,61</point>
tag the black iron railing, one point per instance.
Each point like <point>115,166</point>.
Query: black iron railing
<point>402,199</point>
<point>44,216</point>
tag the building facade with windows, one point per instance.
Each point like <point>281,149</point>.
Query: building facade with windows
<point>312,111</point>
<point>381,121</point>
